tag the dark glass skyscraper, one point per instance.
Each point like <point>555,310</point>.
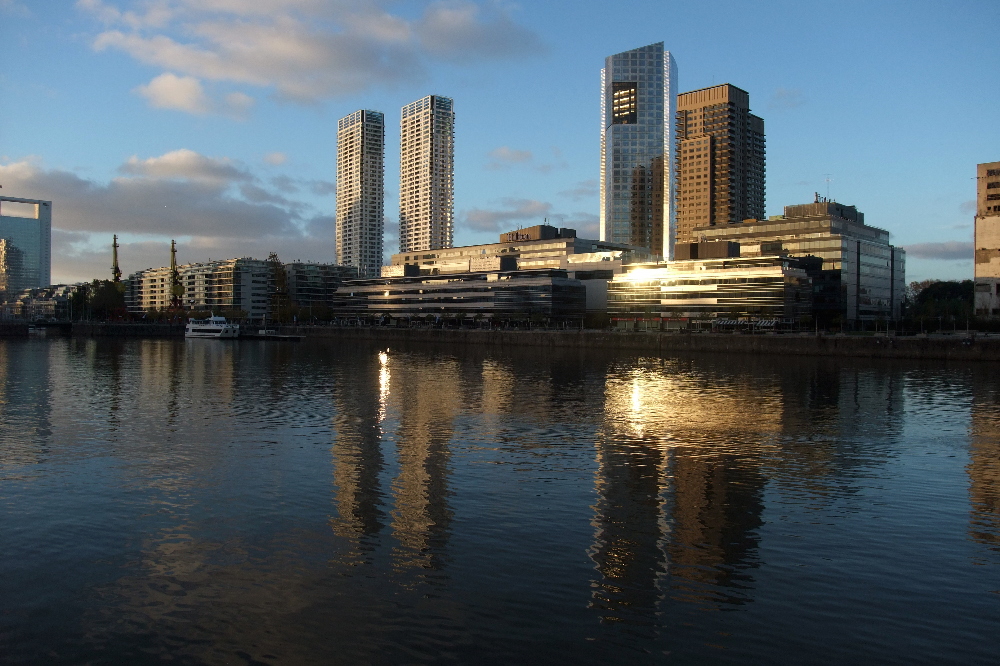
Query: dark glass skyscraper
<point>638,100</point>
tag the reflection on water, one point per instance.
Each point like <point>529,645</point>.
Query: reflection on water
<point>318,503</point>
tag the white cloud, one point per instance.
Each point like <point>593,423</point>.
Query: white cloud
<point>947,250</point>
<point>187,165</point>
<point>169,91</point>
<point>504,156</point>
<point>275,159</point>
<point>585,189</point>
<point>786,98</point>
<point>305,49</point>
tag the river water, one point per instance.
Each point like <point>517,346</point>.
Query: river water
<point>254,502</point>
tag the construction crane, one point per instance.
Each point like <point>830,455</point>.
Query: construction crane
<point>116,273</point>
<point>175,281</point>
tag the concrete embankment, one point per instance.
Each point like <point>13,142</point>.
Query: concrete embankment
<point>957,347</point>
<point>13,329</point>
<point>128,330</point>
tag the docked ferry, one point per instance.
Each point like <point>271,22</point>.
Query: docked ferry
<point>213,327</point>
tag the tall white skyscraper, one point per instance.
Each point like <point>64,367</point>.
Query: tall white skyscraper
<point>427,175</point>
<point>638,148</point>
<point>26,226</point>
<point>361,191</point>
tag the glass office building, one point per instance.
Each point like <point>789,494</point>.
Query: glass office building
<point>771,288</point>
<point>638,145</point>
<point>26,225</point>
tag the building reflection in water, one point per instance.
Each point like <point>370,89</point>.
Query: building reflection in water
<point>679,490</point>
<point>395,418</point>
<point>984,461</point>
<point>358,460</point>
<point>428,397</point>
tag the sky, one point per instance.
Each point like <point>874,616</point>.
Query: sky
<point>213,122</point>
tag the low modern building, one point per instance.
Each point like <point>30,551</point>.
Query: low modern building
<point>232,284</point>
<point>707,292</point>
<point>987,239</point>
<point>593,262</point>
<point>315,285</point>
<point>515,294</point>
<point>53,302</point>
<point>864,276</point>
<point>26,229</point>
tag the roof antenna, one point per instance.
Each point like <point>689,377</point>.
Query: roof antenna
<point>828,179</point>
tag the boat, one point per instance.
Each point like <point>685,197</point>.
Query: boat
<point>213,327</point>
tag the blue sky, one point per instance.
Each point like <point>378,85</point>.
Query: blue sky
<point>214,121</point>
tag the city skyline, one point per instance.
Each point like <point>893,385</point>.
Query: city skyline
<point>152,143</point>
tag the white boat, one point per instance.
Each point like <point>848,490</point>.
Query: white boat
<point>213,327</point>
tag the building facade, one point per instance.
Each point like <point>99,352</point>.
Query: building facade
<point>12,276</point>
<point>547,293</point>
<point>427,175</point>
<point>638,103</point>
<point>26,225</point>
<point>233,284</point>
<point>314,286</point>
<point>712,291</point>
<point>720,165</point>
<point>361,191</point>
<point>987,239</point>
<point>593,262</point>
<point>863,276</point>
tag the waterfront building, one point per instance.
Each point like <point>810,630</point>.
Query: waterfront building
<point>720,160</point>
<point>638,102</point>
<point>52,302</point>
<point>242,284</point>
<point>709,292</point>
<point>361,191</point>
<point>314,286</point>
<point>490,294</point>
<point>427,174</point>
<point>539,247</point>
<point>863,276</point>
<point>987,239</point>
<point>26,226</point>
<point>12,278</point>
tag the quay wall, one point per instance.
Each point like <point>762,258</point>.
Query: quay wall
<point>13,329</point>
<point>128,330</point>
<point>944,347</point>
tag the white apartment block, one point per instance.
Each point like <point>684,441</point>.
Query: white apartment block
<point>231,284</point>
<point>361,191</point>
<point>427,175</point>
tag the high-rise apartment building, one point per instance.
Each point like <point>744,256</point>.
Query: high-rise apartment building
<point>427,175</point>
<point>361,191</point>
<point>638,98</point>
<point>987,239</point>
<point>720,159</point>
<point>26,225</point>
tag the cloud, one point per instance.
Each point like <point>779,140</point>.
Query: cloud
<point>186,93</point>
<point>514,210</point>
<point>307,50</point>
<point>786,98</point>
<point>503,157</point>
<point>181,93</point>
<point>585,189</point>
<point>185,164</point>
<point>947,250</point>
<point>276,159</point>
<point>214,207</point>
<point>968,207</point>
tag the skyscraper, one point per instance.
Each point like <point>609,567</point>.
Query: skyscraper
<point>26,225</point>
<point>987,239</point>
<point>638,99</point>
<point>427,175</point>
<point>361,191</point>
<point>720,159</point>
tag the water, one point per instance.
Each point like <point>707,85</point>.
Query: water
<point>251,502</point>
